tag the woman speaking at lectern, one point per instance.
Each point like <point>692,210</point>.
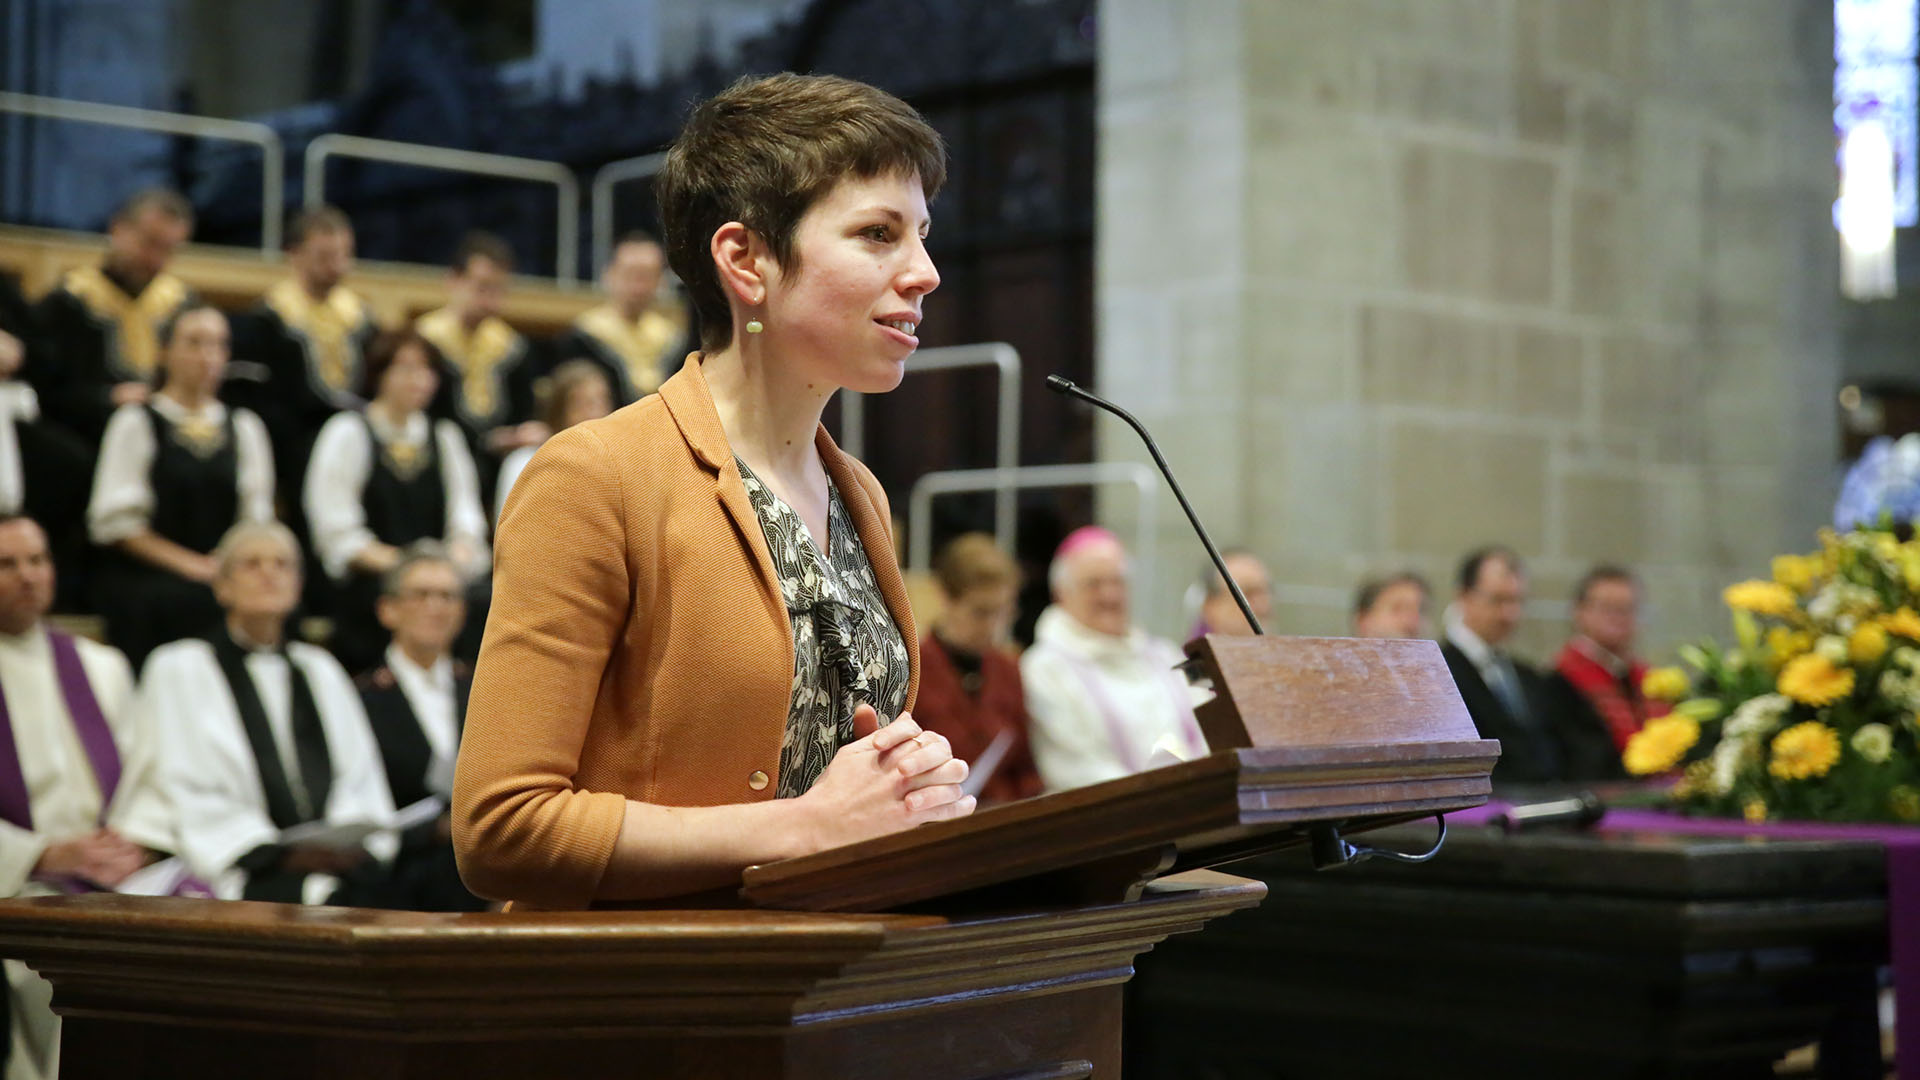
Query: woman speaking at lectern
<point>697,618</point>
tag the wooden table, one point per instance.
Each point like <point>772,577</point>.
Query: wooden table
<point>1563,955</point>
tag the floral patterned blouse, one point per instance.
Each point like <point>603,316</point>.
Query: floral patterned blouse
<point>846,648</point>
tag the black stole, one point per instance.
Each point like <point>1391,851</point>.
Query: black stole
<point>309,739</point>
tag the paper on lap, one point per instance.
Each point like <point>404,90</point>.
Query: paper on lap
<point>160,878</point>
<point>345,836</point>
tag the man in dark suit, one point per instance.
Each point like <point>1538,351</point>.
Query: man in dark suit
<point>1506,697</point>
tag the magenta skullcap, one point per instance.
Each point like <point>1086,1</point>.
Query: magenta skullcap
<point>1086,536</point>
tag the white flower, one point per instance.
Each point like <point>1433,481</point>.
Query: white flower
<point>1906,656</point>
<point>1900,689</point>
<point>1726,762</point>
<point>1757,716</point>
<point>1833,649</point>
<point>1825,603</point>
<point>1845,624</point>
<point>1841,597</point>
<point>1874,742</point>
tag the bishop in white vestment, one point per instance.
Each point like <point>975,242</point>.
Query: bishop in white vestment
<point>1102,694</point>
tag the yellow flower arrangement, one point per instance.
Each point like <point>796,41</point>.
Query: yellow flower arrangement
<point>1762,598</point>
<point>1904,801</point>
<point>1797,572</point>
<point>1804,751</point>
<point>1784,644</point>
<point>1665,684</point>
<point>1810,709</point>
<point>1697,776</point>
<point>1812,679</point>
<point>1902,623</point>
<point>1867,644</point>
<point>1909,562</point>
<point>1660,745</point>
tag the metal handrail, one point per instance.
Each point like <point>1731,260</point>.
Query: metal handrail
<point>468,161</point>
<point>601,210</point>
<point>996,354</point>
<point>272,153</point>
<point>1144,480</point>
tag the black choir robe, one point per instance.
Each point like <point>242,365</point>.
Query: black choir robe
<point>635,355</point>
<point>425,877</point>
<point>93,332</point>
<point>310,356</point>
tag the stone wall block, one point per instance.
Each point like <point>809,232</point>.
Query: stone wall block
<point>1320,201</point>
<point>1548,375</point>
<point>1478,224</point>
<point>1458,485</point>
<point>1301,349</point>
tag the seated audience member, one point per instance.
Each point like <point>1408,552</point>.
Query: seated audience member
<point>969,685</point>
<point>310,334</point>
<point>1392,607</point>
<point>1505,696</point>
<point>80,801</point>
<point>1219,612</point>
<point>18,405</point>
<point>577,390</point>
<point>99,330</point>
<point>1102,693</point>
<point>263,734</point>
<point>176,472</point>
<point>637,332</point>
<point>1595,684</point>
<point>487,368</point>
<point>45,470</point>
<point>417,703</point>
<point>383,477</point>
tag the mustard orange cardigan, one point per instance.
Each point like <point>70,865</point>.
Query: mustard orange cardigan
<point>638,646</point>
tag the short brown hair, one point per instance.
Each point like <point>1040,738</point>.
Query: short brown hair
<point>172,322</point>
<point>1600,573</point>
<point>1373,588</point>
<point>316,219</point>
<point>482,245</point>
<point>974,561</point>
<point>381,354</point>
<point>556,388</point>
<point>765,150</point>
<point>166,200</point>
<point>1476,561</point>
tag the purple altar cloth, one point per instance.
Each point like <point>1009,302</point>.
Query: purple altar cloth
<point>1902,845</point>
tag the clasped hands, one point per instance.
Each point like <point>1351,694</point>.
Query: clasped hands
<point>891,778</point>
<point>102,857</point>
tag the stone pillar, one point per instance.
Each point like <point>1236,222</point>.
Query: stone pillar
<point>1395,278</point>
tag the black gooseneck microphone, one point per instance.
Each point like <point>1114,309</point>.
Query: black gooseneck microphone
<point>1067,387</point>
<point>1329,848</point>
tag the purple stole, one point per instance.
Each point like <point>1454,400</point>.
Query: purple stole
<point>91,725</point>
<point>95,738</point>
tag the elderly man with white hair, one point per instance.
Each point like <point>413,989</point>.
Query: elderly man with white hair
<point>270,762</point>
<point>1102,693</point>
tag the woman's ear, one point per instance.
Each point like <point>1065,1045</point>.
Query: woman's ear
<point>740,259</point>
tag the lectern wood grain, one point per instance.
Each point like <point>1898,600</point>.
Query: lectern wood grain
<point>1306,691</point>
<point>160,988</point>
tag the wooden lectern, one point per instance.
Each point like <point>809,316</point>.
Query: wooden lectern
<point>990,948</point>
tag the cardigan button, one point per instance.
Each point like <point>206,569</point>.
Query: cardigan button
<point>757,780</point>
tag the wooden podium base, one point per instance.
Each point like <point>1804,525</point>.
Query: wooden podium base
<point>206,990</point>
